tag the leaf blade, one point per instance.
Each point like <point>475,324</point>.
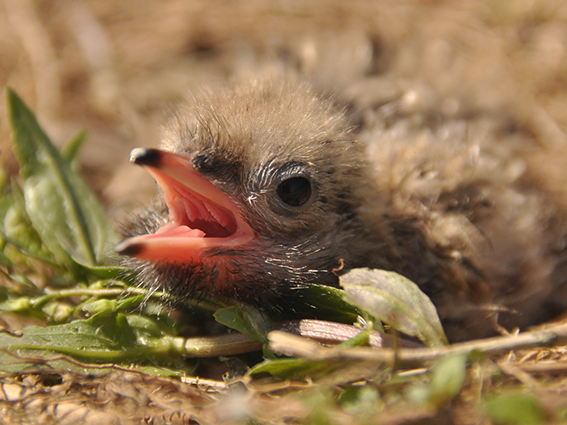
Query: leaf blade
<point>53,190</point>
<point>395,300</point>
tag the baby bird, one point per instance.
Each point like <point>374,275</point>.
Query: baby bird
<point>269,186</point>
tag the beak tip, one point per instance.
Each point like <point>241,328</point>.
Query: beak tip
<point>128,248</point>
<point>143,156</point>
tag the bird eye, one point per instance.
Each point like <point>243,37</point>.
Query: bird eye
<point>295,191</point>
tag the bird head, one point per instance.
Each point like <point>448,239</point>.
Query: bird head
<point>259,194</point>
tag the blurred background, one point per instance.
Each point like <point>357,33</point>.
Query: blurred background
<point>115,67</point>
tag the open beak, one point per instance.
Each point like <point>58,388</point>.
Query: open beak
<point>201,216</point>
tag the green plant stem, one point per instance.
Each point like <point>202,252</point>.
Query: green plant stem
<point>68,293</point>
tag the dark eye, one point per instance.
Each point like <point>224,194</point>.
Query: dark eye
<point>295,191</point>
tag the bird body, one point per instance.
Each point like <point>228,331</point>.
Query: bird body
<point>269,185</point>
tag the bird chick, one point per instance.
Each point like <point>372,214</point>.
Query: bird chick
<point>267,186</point>
<point>259,194</point>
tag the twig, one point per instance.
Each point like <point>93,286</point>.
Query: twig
<point>521,375</point>
<point>15,334</point>
<point>220,345</point>
<point>204,384</point>
<point>319,330</point>
<point>335,333</point>
<point>293,345</point>
<point>547,367</point>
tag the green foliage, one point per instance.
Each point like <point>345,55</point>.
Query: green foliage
<point>118,338</point>
<point>363,401</point>
<point>395,300</point>
<point>55,235</point>
<point>249,321</point>
<point>515,409</point>
<point>292,368</point>
<point>61,207</point>
<point>447,378</point>
<point>326,303</point>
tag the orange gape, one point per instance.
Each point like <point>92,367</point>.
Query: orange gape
<point>200,215</point>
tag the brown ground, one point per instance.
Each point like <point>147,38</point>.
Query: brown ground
<point>112,67</point>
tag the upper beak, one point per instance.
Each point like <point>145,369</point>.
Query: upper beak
<point>201,216</point>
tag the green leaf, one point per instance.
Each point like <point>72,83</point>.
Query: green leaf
<point>289,368</point>
<point>109,272</point>
<point>118,338</point>
<point>18,232</point>
<point>395,300</point>
<point>325,303</point>
<point>360,340</point>
<point>515,409</point>
<point>247,320</point>
<point>361,401</point>
<point>70,152</point>
<point>292,368</point>
<point>16,228</point>
<point>61,207</point>
<point>106,306</point>
<point>448,377</point>
<point>58,312</point>
<point>18,305</point>
<point>4,178</point>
